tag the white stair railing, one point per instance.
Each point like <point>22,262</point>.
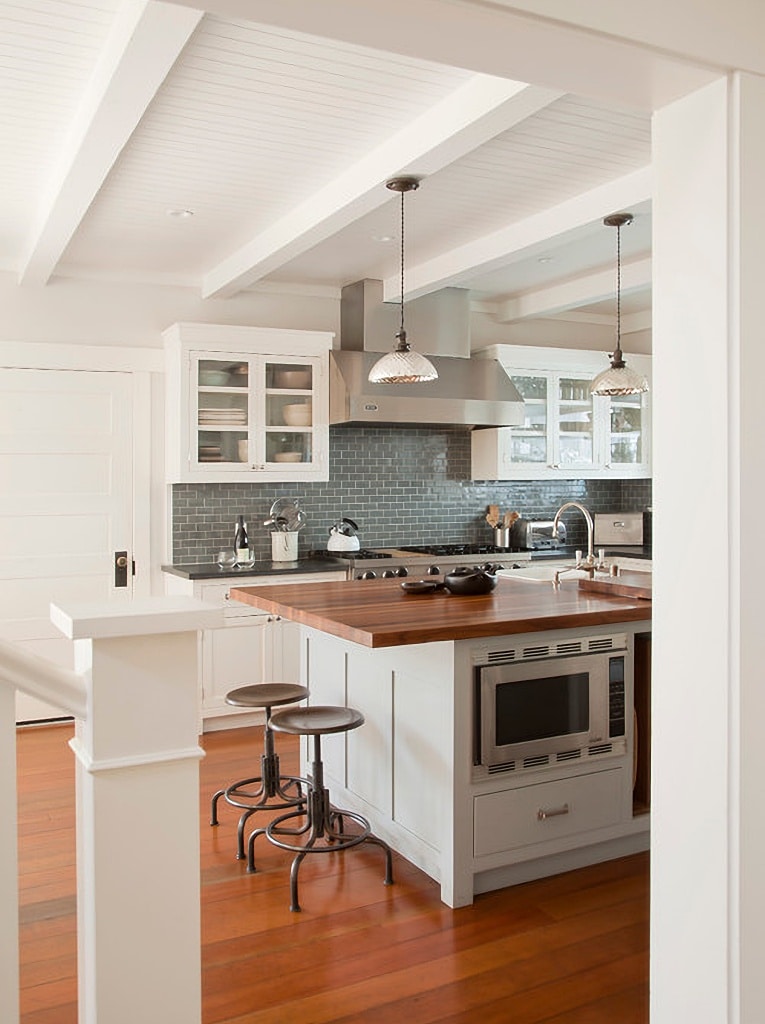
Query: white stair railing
<point>134,698</point>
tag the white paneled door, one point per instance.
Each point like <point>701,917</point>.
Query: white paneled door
<point>66,501</point>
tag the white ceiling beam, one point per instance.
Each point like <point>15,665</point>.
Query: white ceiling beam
<point>513,242</point>
<point>476,112</point>
<point>728,34</point>
<point>634,322</point>
<point>631,322</point>
<point>512,44</point>
<point>580,291</point>
<point>143,45</point>
<point>577,317</point>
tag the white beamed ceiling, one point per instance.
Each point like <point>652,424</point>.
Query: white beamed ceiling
<point>280,141</point>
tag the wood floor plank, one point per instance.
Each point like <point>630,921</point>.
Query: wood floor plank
<point>571,949</point>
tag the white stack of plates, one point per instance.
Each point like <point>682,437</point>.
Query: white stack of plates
<point>210,453</point>
<point>222,417</point>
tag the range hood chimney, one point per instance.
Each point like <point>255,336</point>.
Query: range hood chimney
<point>468,392</point>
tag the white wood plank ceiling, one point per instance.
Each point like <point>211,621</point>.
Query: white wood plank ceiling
<point>119,115</point>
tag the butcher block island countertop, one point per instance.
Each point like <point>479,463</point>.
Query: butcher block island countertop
<point>378,613</point>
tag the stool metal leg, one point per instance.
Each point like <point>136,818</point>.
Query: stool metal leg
<point>270,788</point>
<point>320,816</point>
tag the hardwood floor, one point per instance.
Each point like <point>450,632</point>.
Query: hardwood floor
<point>566,950</point>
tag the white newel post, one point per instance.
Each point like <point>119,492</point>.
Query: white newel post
<point>137,777</point>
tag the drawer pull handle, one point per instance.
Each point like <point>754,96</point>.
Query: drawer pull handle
<point>543,815</point>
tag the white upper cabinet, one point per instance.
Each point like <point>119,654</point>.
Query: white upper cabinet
<point>246,403</point>
<point>566,432</point>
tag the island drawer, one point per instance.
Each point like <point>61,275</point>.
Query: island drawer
<point>548,810</point>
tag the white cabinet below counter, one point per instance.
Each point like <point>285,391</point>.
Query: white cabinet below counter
<point>566,433</point>
<point>252,647</point>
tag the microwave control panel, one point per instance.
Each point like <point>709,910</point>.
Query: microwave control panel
<point>616,700</point>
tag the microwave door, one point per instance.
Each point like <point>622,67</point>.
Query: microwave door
<point>536,709</point>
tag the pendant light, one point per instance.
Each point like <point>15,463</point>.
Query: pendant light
<point>402,365</point>
<point>618,379</point>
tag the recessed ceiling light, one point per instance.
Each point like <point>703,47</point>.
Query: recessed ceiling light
<point>182,214</point>
<point>383,238</point>
<point>545,259</point>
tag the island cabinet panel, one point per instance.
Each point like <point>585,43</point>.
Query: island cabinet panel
<point>396,769</point>
<point>423,752</point>
<point>324,672</point>
<point>547,811</point>
<point>370,759</point>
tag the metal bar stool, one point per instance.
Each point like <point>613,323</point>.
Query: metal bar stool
<point>272,792</point>
<point>322,820</point>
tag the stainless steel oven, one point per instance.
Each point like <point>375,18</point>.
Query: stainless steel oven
<point>557,702</point>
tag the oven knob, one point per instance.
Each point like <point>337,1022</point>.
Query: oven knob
<point>402,571</point>
<point>516,565</point>
<point>370,574</point>
<point>433,570</point>
<point>388,574</point>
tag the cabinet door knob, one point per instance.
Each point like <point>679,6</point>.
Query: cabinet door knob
<point>554,812</point>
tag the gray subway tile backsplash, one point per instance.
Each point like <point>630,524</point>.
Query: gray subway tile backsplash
<point>402,485</point>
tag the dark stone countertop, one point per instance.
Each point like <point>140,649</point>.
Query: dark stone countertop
<point>626,551</point>
<point>211,571</point>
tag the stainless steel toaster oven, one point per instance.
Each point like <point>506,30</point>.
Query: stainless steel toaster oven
<point>535,534</point>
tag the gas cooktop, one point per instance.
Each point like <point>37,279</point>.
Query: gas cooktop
<point>454,549</point>
<point>361,553</point>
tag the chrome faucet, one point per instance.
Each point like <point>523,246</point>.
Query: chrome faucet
<point>589,562</point>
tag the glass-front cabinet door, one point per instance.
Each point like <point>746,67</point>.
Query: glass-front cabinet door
<point>288,427</point>
<point>627,434</point>
<point>253,414</point>
<point>530,441</point>
<point>574,415</point>
<point>220,412</point>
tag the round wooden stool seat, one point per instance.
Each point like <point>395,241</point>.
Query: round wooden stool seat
<point>271,790</point>
<point>266,695</point>
<point>323,828</point>
<point>317,720</point>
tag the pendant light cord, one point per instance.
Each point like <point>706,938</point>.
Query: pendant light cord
<point>619,290</point>
<point>402,333</point>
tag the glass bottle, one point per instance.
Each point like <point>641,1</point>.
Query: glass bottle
<point>241,541</point>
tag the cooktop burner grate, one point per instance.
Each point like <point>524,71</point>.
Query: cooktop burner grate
<point>361,553</point>
<point>454,549</point>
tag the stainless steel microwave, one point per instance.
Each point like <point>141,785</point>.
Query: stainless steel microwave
<point>550,709</point>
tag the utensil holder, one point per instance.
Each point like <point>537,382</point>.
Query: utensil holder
<point>284,546</point>
<point>502,536</point>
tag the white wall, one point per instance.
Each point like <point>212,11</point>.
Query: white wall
<point>85,313</point>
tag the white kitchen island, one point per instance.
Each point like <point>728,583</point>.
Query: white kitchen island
<point>410,769</point>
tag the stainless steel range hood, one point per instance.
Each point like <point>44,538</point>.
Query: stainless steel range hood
<point>468,392</point>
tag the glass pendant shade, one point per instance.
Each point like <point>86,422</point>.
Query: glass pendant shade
<point>402,365</point>
<point>618,379</point>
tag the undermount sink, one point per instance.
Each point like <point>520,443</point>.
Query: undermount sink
<point>546,573</point>
<point>542,573</point>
